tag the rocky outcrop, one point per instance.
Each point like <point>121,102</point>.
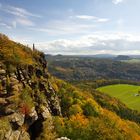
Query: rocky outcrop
<point>16,119</point>
<point>16,135</point>
<point>45,112</point>
<point>15,87</point>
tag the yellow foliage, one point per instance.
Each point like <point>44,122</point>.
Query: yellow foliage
<point>79,120</point>
<point>125,127</point>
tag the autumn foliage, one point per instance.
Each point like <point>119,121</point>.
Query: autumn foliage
<point>84,119</point>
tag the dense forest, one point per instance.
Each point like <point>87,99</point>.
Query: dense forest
<point>75,68</point>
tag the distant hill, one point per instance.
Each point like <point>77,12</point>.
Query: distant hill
<point>83,56</point>
<point>72,68</point>
<point>104,56</point>
<point>122,57</point>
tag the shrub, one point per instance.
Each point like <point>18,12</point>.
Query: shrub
<point>48,132</point>
<point>24,109</point>
<point>4,128</point>
<point>8,85</point>
<point>26,101</point>
<point>91,108</point>
<point>75,109</point>
<point>75,128</point>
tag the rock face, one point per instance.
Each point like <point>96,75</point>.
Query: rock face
<point>26,96</point>
<point>17,119</point>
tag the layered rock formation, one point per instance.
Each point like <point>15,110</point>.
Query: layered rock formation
<point>26,97</point>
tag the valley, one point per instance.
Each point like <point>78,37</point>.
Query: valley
<point>116,77</point>
<point>78,68</point>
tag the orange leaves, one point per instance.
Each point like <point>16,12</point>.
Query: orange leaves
<point>79,120</point>
<point>124,127</point>
<point>24,109</point>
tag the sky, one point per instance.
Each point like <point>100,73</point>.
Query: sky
<point>73,27</point>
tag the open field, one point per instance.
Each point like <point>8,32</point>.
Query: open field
<point>132,61</point>
<point>125,93</point>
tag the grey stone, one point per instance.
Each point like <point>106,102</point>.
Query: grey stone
<point>2,72</point>
<point>15,135</point>
<point>13,80</point>
<point>24,136</point>
<point>33,114</point>
<point>8,134</point>
<point>17,118</point>
<point>45,112</point>
<point>9,110</point>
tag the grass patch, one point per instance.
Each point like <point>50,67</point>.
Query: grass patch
<point>125,93</point>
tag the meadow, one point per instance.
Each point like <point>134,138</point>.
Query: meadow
<point>132,61</point>
<point>128,94</point>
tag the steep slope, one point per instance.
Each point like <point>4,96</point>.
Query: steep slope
<point>27,98</point>
<point>109,102</point>
<point>37,106</point>
<point>83,118</point>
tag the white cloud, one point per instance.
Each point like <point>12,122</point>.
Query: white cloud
<point>117,1</point>
<point>19,21</point>
<point>85,17</point>
<point>17,11</point>
<point>5,25</point>
<point>20,16</point>
<point>88,17</point>
<point>65,27</point>
<point>71,26</point>
<point>115,43</point>
<point>102,20</point>
<point>24,21</point>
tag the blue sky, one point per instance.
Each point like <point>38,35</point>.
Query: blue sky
<point>73,26</point>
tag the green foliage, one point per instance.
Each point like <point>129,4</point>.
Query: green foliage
<point>75,109</point>
<point>15,54</point>
<point>75,128</point>
<point>26,101</point>
<point>42,97</point>
<point>102,82</point>
<point>48,132</point>
<point>91,108</point>
<point>8,85</point>
<point>4,127</point>
<point>86,114</point>
<point>84,119</point>
<point>111,103</point>
<point>107,126</point>
<point>76,68</point>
